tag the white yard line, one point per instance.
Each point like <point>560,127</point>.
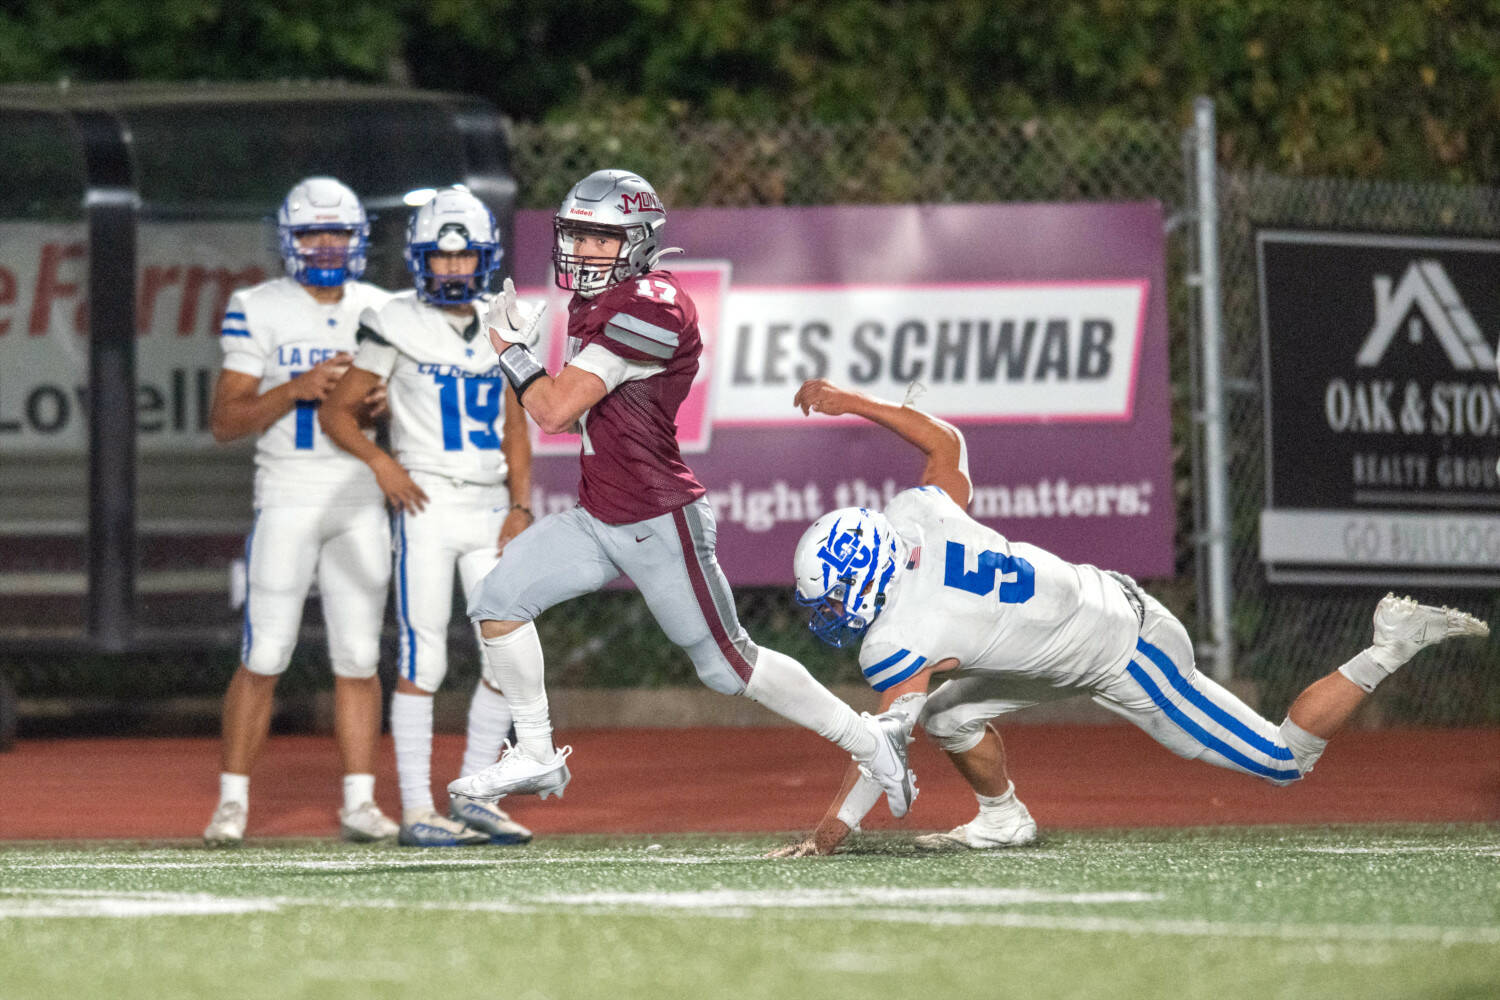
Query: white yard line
<point>373,861</point>
<point>841,905</point>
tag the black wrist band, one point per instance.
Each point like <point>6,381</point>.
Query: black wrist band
<point>521,367</point>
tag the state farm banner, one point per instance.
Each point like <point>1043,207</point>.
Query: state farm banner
<point>186,272</point>
<point>1383,412</point>
<point>1040,329</point>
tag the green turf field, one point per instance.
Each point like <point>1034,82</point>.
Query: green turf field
<point>1270,912</point>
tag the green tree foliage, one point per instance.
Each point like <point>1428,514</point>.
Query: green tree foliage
<point>1406,89</point>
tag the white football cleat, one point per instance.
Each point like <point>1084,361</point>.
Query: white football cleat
<point>427,828</point>
<point>1012,828</point>
<point>366,824</point>
<point>227,828</point>
<point>888,767</point>
<point>488,818</point>
<point>1403,628</point>
<point>516,773</point>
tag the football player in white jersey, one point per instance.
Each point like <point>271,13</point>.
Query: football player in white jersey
<point>318,510</point>
<point>934,594</point>
<point>459,481</point>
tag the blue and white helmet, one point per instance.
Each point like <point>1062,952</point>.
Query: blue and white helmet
<point>318,205</point>
<point>451,222</point>
<point>844,565</point>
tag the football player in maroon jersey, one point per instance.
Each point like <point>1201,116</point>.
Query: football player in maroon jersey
<point>633,349</point>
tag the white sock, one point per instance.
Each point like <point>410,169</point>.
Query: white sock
<point>1365,672</point>
<point>489,723</point>
<point>411,729</point>
<point>997,803</point>
<point>1305,747</point>
<point>513,663</point>
<point>785,687</point>
<point>358,789</point>
<point>234,788</point>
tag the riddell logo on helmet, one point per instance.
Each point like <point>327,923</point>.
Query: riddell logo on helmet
<point>580,211</point>
<point>644,201</point>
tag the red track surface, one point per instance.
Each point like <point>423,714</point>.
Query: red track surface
<point>757,779</point>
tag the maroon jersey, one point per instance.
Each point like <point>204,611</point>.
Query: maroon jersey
<point>632,467</point>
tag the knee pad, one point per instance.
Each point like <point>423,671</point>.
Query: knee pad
<point>953,734</point>
<point>356,662</point>
<point>267,657</point>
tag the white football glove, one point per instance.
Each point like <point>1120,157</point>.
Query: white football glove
<point>512,321</point>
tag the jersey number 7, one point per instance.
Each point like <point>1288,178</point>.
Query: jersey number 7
<point>1017,576</point>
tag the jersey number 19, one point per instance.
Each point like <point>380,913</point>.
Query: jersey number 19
<point>481,404</point>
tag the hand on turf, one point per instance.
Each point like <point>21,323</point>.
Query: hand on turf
<point>825,397</point>
<point>801,849</point>
<point>511,321</point>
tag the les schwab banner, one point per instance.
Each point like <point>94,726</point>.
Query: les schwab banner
<point>1038,329</point>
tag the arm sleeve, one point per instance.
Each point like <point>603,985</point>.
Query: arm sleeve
<point>243,351</point>
<point>858,803</point>
<point>376,356</point>
<point>613,370</point>
<point>865,793</point>
<point>374,353</point>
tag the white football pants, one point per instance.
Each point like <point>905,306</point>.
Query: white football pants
<point>459,527</point>
<point>348,550</point>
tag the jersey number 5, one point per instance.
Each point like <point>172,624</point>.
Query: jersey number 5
<point>1017,576</point>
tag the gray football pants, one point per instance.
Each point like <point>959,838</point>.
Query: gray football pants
<point>670,559</point>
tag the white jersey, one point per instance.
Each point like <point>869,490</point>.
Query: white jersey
<point>445,389</point>
<point>275,331</point>
<point>992,604</point>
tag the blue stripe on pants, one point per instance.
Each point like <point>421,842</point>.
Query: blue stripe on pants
<point>1216,712</point>
<point>409,668</point>
<point>1198,733</point>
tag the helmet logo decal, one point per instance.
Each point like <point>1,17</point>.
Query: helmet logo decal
<point>644,201</point>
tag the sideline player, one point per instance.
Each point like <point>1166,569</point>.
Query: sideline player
<point>459,482</point>
<point>633,351</point>
<point>317,510</point>
<point>933,592</point>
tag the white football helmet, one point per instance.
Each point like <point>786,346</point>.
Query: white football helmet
<point>844,566</point>
<point>451,222</point>
<point>318,205</point>
<point>616,204</point>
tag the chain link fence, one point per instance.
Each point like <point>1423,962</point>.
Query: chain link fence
<point>609,638</point>
<point>1287,635</point>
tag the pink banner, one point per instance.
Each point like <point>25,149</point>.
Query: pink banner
<point>1039,329</point>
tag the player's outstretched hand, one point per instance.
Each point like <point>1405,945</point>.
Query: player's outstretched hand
<point>824,840</point>
<point>511,321</point>
<point>801,849</point>
<point>825,397</point>
<point>397,485</point>
<point>318,381</point>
